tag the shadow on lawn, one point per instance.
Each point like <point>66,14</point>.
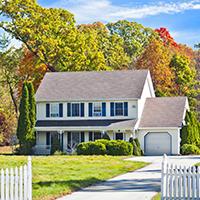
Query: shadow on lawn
<point>125,185</point>
<point>71,184</point>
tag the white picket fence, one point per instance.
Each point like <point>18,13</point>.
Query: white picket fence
<point>179,182</point>
<point>16,184</point>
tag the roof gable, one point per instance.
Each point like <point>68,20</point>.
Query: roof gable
<point>104,85</point>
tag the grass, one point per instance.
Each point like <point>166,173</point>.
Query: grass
<point>54,176</point>
<point>157,196</point>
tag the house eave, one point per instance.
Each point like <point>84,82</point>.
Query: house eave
<point>87,100</point>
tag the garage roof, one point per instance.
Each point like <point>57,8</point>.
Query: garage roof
<point>163,112</point>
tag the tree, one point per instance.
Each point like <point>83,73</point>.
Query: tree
<point>135,36</point>
<point>167,39</point>
<point>9,61</point>
<point>156,58</point>
<point>49,33</point>
<point>27,117</point>
<point>32,106</point>
<point>185,78</point>
<point>190,132</point>
<point>24,124</point>
<point>30,69</point>
<point>111,45</point>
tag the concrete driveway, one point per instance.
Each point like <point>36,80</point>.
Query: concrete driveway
<point>141,184</point>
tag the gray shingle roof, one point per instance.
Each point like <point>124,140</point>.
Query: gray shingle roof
<point>127,124</point>
<point>62,86</point>
<point>163,112</point>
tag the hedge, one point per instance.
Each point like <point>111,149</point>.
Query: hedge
<point>91,148</point>
<point>102,147</point>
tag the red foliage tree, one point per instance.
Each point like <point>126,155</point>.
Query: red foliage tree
<point>166,37</point>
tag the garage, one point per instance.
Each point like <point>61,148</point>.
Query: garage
<point>157,143</point>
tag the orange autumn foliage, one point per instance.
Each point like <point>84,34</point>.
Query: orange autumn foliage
<point>30,69</point>
<point>156,58</point>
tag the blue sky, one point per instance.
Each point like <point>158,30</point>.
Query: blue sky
<point>181,17</point>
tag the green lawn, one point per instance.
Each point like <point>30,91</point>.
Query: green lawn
<point>54,176</point>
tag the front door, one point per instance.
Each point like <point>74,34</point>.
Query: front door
<point>119,136</point>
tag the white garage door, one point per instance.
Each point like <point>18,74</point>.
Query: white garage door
<point>157,144</point>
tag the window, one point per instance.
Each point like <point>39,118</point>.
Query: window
<point>94,136</point>
<point>118,108</point>
<point>97,109</point>
<point>119,111</point>
<point>75,109</point>
<point>54,110</point>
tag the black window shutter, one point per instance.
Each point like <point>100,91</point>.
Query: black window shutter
<point>90,109</point>
<point>82,110</point>
<point>90,136</point>
<point>103,109</point>
<point>112,109</point>
<point>125,108</point>
<point>69,109</point>
<point>60,110</point>
<point>82,137</point>
<point>48,135</point>
<point>47,110</point>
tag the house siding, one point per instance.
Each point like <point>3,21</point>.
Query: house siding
<point>132,111</point>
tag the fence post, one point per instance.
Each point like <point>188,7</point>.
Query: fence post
<point>163,174</point>
<point>29,178</point>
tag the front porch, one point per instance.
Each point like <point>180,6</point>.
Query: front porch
<point>47,142</point>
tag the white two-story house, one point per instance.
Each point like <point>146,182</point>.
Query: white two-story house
<point>74,107</point>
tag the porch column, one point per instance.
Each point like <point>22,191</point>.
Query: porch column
<point>60,138</point>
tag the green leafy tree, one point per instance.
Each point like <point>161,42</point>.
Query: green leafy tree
<point>190,132</point>
<point>9,61</point>
<point>49,33</point>
<point>32,105</point>
<point>135,36</point>
<point>185,78</point>
<point>111,45</point>
<point>24,124</point>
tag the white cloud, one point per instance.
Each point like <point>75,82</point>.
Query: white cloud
<point>95,10</point>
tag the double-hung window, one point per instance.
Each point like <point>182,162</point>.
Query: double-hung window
<point>119,109</point>
<point>75,109</point>
<point>54,109</point>
<point>97,109</point>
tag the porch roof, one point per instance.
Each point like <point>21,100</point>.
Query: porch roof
<point>106,124</point>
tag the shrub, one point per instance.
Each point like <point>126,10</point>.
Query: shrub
<point>91,148</point>
<point>119,148</point>
<point>139,147</point>
<point>103,141</point>
<point>187,149</point>
<point>105,136</point>
<point>102,147</point>
<point>137,151</point>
